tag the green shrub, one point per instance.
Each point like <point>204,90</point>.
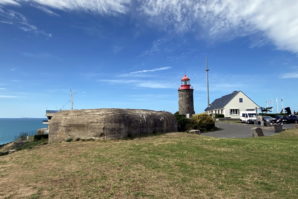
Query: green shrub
<point>182,122</point>
<point>22,136</point>
<point>203,122</point>
<point>219,115</point>
<point>40,137</point>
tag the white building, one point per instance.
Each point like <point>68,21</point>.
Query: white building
<point>232,104</point>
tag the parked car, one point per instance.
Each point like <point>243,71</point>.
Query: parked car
<point>268,120</point>
<point>292,119</point>
<point>281,119</point>
<point>248,116</point>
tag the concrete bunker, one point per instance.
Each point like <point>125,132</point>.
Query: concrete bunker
<point>109,124</point>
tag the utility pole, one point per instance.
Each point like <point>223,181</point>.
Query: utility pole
<point>282,104</point>
<point>276,105</point>
<point>207,79</point>
<point>71,99</point>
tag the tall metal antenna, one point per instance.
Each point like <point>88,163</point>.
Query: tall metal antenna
<point>207,79</point>
<point>71,99</point>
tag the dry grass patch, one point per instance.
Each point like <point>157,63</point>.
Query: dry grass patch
<point>174,165</point>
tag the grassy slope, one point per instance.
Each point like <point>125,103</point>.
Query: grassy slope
<point>174,165</point>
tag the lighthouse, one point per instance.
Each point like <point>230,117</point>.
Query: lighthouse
<point>186,97</point>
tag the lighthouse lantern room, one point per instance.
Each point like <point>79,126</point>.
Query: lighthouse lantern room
<point>185,83</point>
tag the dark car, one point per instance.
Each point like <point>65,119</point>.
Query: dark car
<point>281,119</point>
<point>268,120</point>
<point>292,119</point>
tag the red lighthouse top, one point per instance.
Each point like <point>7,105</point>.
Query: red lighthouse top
<point>185,83</point>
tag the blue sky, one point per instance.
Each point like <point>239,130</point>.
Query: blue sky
<point>133,53</point>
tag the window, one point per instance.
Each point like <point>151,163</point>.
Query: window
<point>185,82</point>
<point>234,111</point>
<point>240,100</point>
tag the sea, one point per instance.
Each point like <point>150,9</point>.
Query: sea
<point>10,128</point>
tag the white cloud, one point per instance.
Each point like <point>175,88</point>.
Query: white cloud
<point>293,75</point>
<point>140,83</point>
<point>7,96</point>
<point>46,10</point>
<point>98,6</point>
<point>151,70</point>
<point>11,2</point>
<point>144,73</point>
<point>154,84</point>
<point>11,17</point>
<point>276,20</point>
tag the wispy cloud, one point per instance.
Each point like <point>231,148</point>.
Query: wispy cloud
<point>11,17</point>
<point>230,18</point>
<point>96,6</point>
<point>141,83</point>
<point>151,84</point>
<point>293,75</point>
<point>99,6</point>
<point>145,72</point>
<point>46,10</point>
<point>276,20</point>
<point>151,70</point>
<point>2,89</point>
<point>7,96</point>
<point>9,2</point>
<point>13,69</point>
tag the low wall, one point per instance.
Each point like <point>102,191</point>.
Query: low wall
<point>109,124</point>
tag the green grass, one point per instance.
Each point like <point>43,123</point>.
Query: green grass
<point>175,165</point>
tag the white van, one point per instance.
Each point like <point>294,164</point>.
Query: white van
<point>248,116</point>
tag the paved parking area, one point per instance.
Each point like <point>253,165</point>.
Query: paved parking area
<point>239,130</point>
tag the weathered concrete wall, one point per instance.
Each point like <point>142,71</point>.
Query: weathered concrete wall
<point>109,124</point>
<point>186,102</point>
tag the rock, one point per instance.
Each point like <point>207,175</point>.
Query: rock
<point>194,131</point>
<point>68,140</point>
<point>278,128</point>
<point>4,153</point>
<point>109,124</point>
<point>12,151</point>
<point>42,131</point>
<point>257,132</point>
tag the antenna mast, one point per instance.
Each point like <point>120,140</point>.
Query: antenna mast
<point>71,99</point>
<point>207,79</point>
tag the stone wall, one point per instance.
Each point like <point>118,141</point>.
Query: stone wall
<point>109,124</point>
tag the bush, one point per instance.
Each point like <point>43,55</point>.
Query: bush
<point>40,137</point>
<point>22,136</point>
<point>219,115</point>
<point>203,122</point>
<point>182,122</point>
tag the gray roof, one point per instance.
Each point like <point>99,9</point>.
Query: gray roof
<point>221,102</point>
